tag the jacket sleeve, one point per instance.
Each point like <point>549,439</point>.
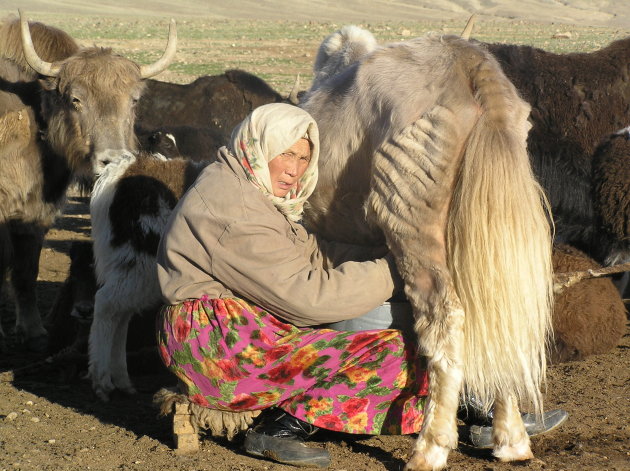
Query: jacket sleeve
<point>270,270</point>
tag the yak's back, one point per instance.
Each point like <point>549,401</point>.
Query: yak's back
<point>577,98</point>
<point>51,44</point>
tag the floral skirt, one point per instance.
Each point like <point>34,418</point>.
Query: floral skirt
<point>235,356</point>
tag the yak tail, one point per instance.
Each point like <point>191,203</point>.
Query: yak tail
<point>499,249</point>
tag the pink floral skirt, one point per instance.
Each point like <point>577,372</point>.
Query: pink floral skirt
<point>235,356</point>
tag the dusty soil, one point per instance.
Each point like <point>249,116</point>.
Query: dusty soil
<point>50,419</point>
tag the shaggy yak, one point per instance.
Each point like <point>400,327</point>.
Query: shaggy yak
<point>590,317</point>
<point>578,101</point>
<point>76,110</point>
<point>424,147</point>
<point>216,102</point>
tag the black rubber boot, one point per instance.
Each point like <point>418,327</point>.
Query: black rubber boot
<point>472,413</point>
<point>279,436</point>
<point>479,430</point>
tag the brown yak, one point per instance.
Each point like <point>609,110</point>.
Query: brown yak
<point>80,111</point>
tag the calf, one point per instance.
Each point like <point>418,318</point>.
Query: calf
<point>130,205</point>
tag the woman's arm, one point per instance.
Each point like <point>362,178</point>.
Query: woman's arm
<point>264,266</point>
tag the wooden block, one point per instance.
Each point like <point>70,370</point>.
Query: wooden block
<point>181,409</point>
<point>184,434</point>
<point>186,443</point>
<point>181,424</point>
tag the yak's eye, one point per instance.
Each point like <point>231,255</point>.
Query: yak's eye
<point>76,102</point>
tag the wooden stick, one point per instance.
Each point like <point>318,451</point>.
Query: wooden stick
<point>565,280</point>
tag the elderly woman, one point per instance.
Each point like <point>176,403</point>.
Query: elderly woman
<point>245,284</point>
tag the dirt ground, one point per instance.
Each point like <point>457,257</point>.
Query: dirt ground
<point>51,421</point>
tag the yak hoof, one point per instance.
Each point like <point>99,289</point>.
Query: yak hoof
<point>433,458</point>
<point>515,452</point>
<point>37,344</point>
<point>130,390</point>
<point>102,389</point>
<point>102,394</point>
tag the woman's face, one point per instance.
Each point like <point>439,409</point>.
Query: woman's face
<point>287,168</point>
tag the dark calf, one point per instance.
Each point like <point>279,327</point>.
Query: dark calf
<point>69,320</point>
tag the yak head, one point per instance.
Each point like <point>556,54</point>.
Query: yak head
<point>339,50</point>
<point>88,100</point>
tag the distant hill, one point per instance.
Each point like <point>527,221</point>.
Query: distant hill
<point>610,13</point>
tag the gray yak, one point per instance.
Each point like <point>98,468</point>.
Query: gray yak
<point>424,148</point>
<point>73,109</point>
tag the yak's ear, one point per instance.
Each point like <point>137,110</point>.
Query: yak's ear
<point>48,83</point>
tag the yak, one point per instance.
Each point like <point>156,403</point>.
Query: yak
<point>213,102</point>
<point>578,101</point>
<point>424,147</point>
<point>194,143</point>
<point>79,105</point>
<point>201,115</point>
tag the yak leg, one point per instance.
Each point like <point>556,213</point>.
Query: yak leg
<point>413,179</point>
<point>441,336</point>
<point>120,375</point>
<point>27,241</point>
<point>511,442</point>
<point>101,343</point>
<point>5,260</point>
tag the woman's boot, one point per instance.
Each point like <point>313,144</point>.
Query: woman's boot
<point>280,437</point>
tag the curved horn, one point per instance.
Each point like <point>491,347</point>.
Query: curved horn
<point>469,27</point>
<point>162,63</point>
<point>40,66</point>
<point>293,96</point>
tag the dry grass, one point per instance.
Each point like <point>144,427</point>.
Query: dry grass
<point>278,50</point>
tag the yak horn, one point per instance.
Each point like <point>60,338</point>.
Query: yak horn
<point>563,281</point>
<point>293,96</point>
<point>469,27</point>
<point>40,66</point>
<point>162,63</point>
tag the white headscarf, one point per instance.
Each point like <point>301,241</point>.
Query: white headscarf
<point>267,132</point>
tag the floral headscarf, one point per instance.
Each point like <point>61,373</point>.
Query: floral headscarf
<point>267,132</point>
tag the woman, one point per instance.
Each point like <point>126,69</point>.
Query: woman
<point>245,284</point>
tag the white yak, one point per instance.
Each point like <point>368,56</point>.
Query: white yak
<point>423,146</point>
